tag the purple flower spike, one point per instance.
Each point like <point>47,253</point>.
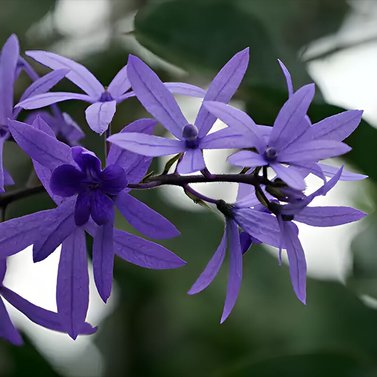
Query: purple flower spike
<point>191,139</point>
<point>103,100</point>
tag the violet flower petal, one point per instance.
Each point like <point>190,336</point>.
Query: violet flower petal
<point>72,291</point>
<point>45,149</point>
<point>328,216</point>
<point>247,158</point>
<point>336,127</point>
<point>3,269</point>
<point>155,97</point>
<point>313,151</point>
<point>290,175</point>
<point>7,329</point>
<point>330,171</point>
<point>58,228</point>
<point>86,159</point>
<point>78,74</point>
<point>18,233</point>
<point>2,176</point>
<point>288,77</point>
<point>119,84</point>
<point>192,161</point>
<point>260,225</point>
<point>147,145</point>
<point>40,316</point>
<point>103,259</point>
<point>101,207</point>
<point>290,122</point>
<point>113,179</point>
<point>82,208</point>
<point>144,218</point>
<point>46,99</point>
<point>226,138</point>
<point>235,270</point>
<point>8,180</point>
<point>66,180</point>
<point>8,63</point>
<point>184,89</point>
<point>239,120</point>
<point>212,268</point>
<point>144,253</point>
<point>99,115</point>
<point>134,165</point>
<point>222,88</point>
<point>296,258</point>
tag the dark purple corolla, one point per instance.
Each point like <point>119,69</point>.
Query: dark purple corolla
<point>191,139</point>
<point>86,196</point>
<point>103,100</point>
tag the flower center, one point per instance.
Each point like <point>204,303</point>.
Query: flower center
<point>190,134</point>
<point>270,154</point>
<point>106,97</point>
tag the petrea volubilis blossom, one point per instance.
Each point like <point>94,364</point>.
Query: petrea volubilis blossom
<point>287,143</point>
<point>103,100</point>
<point>84,194</point>
<point>191,139</point>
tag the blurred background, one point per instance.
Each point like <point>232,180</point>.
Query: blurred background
<point>151,327</point>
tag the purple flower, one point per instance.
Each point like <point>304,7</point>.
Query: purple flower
<point>291,141</point>
<point>103,100</point>
<point>86,196</point>
<point>36,314</point>
<point>296,210</point>
<point>191,139</point>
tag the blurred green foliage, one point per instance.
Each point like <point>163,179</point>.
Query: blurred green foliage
<point>157,330</point>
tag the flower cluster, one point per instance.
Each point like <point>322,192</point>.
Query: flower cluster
<point>272,195</point>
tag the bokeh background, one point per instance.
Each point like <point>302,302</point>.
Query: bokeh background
<point>151,327</point>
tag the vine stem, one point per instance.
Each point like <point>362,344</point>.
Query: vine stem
<point>177,180</point>
<point>14,195</point>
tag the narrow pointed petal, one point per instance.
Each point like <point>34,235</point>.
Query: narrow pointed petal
<point>227,138</point>
<point>330,171</point>
<point>46,99</point>
<point>119,84</point>
<point>192,161</point>
<point>44,84</point>
<point>8,180</point>
<point>144,253</point>
<point>72,291</point>
<point>222,88</point>
<point>144,218</point>
<point>337,127</point>
<point>247,158</point>
<point>288,77</point>
<point>43,148</point>
<point>184,89</point>
<point>56,230</point>
<point>8,63</point>
<point>78,74</point>
<point>290,175</point>
<point>155,97</point>
<point>99,115</point>
<point>147,145</point>
<point>260,225</point>
<point>45,318</point>
<point>313,151</point>
<point>7,329</point>
<point>103,259</point>
<point>2,171</point>
<point>329,216</point>
<point>238,120</point>
<point>134,165</point>
<point>290,123</point>
<point>296,258</point>
<point>235,270</point>
<point>3,269</point>
<point>18,233</point>
<point>212,268</point>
